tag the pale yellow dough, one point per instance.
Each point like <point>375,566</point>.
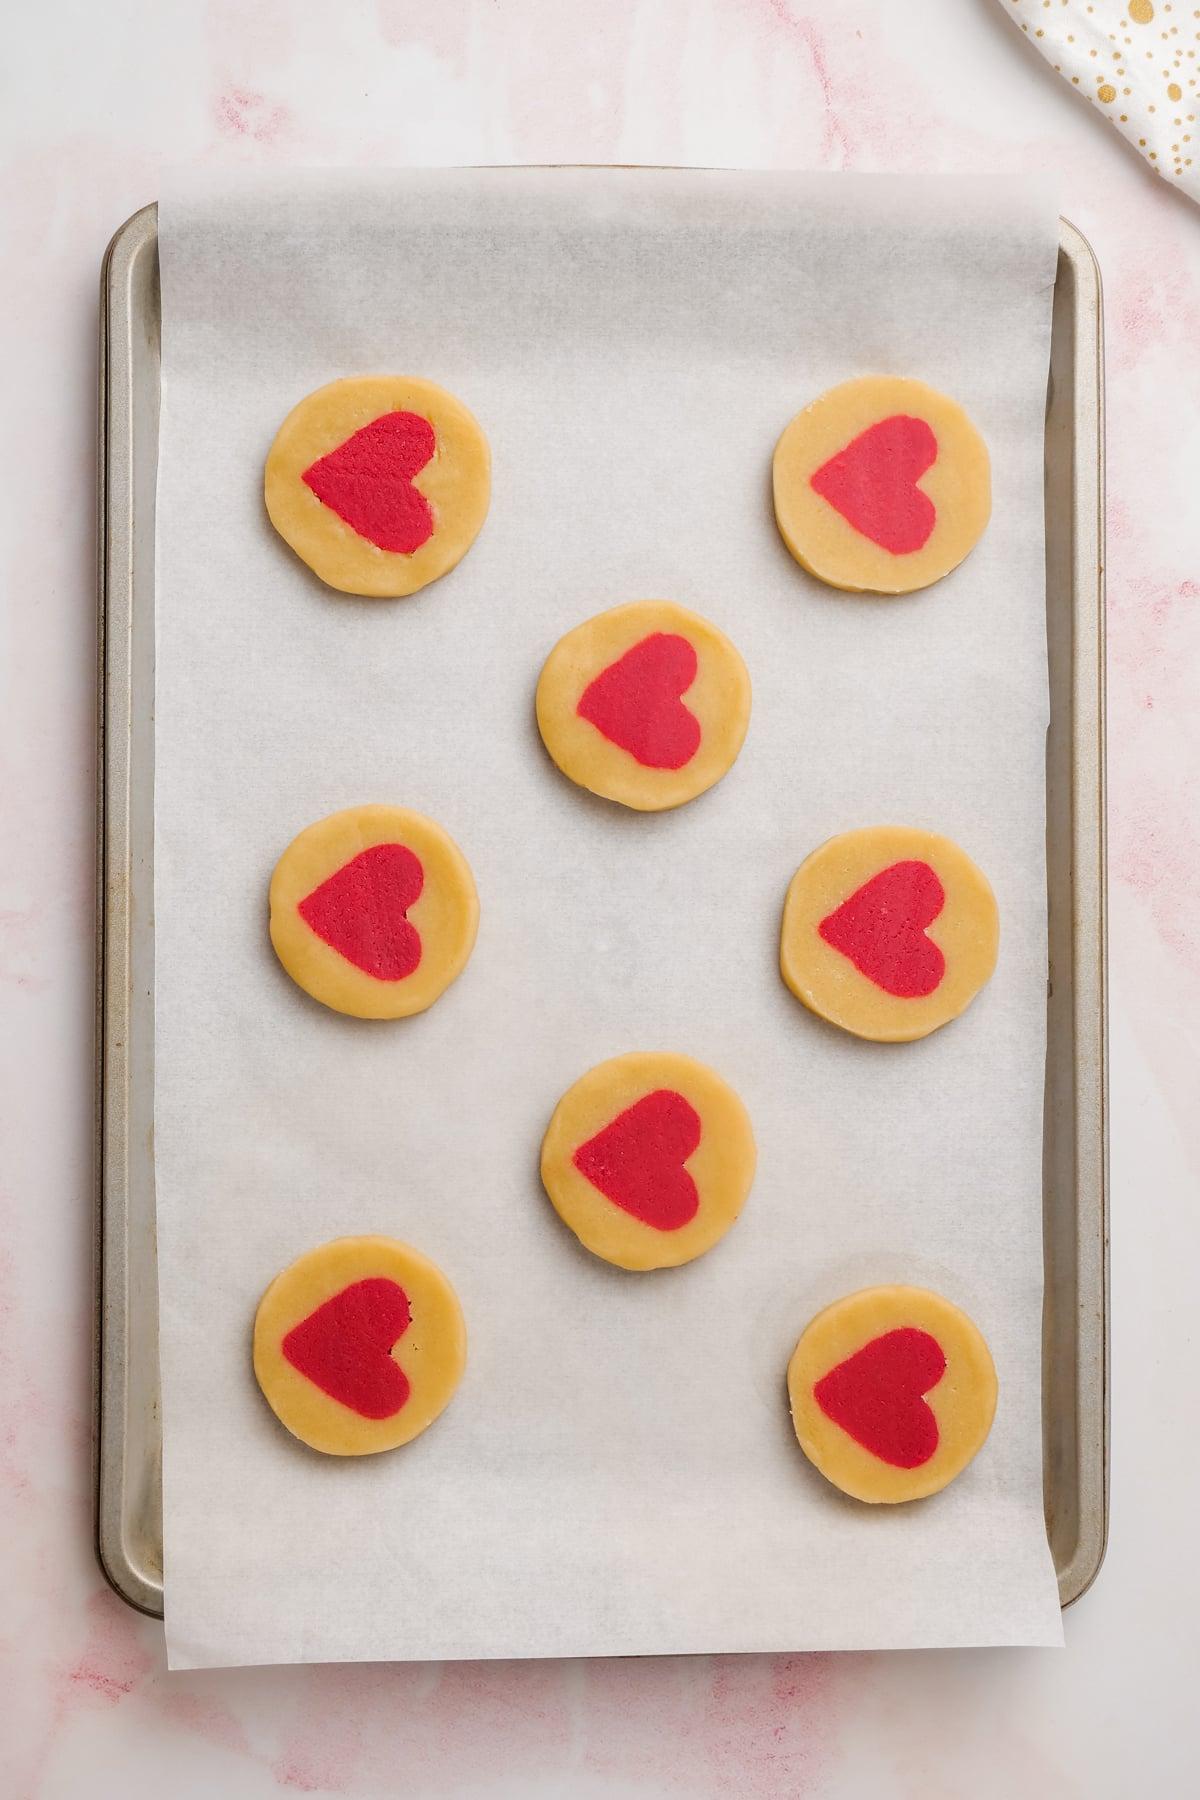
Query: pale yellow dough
<point>456,482</point>
<point>722,1165</point>
<point>446,915</point>
<point>718,698</point>
<point>967,931</point>
<point>432,1352</point>
<point>963,1402</point>
<point>958,483</point>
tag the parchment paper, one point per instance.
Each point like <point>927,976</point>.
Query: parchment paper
<point>617,1472</point>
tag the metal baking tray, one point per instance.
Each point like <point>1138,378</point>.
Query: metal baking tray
<point>1075,1189</point>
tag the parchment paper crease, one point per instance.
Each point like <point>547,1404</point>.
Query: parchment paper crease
<point>617,1472</point>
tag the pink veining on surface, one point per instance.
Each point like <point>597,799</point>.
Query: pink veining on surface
<point>243,113</point>
<point>1152,302</point>
<point>437,29</point>
<point>836,148</point>
<point>200,1715</point>
<point>1153,609</point>
<point>719,1726</point>
<point>283,81</point>
<point>112,1659</point>
<point>1155,847</point>
<point>770,1724</point>
<point>458,1721</point>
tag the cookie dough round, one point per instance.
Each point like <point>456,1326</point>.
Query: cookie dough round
<point>380,483</point>
<point>882,485</point>
<point>359,1345</point>
<point>373,911</point>
<point>892,1392</point>
<point>647,704</point>
<point>648,1159</point>
<point>888,932</point>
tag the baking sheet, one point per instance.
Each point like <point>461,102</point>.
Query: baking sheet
<point>617,1473</point>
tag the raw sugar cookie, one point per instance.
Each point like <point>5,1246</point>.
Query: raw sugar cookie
<point>892,1392</point>
<point>888,932</point>
<point>648,1159</point>
<point>647,704</point>
<point>359,1345</point>
<point>882,485</point>
<point>373,911</point>
<point>380,483</point>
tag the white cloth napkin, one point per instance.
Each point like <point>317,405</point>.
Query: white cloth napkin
<point>1138,61</point>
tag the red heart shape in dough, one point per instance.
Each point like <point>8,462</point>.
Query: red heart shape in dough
<point>359,911</point>
<point>344,1347</point>
<point>367,481</point>
<point>875,1396</point>
<point>636,704</point>
<point>873,483</point>
<point>637,1160</point>
<point>881,928</point>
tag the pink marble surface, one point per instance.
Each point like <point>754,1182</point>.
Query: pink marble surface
<point>97,102</point>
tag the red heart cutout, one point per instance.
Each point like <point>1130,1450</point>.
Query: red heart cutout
<point>637,1160</point>
<point>367,481</point>
<point>344,1347</point>
<point>875,1396</point>
<point>636,704</point>
<point>873,483</point>
<point>360,911</point>
<point>881,928</point>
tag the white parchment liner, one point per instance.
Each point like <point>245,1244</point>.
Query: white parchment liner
<point>617,1472</point>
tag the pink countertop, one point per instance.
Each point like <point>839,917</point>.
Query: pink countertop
<point>97,103</point>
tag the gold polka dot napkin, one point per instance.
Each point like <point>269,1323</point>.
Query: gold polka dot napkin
<point>1138,61</point>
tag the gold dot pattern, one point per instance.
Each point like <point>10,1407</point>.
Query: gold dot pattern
<point>1135,61</point>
